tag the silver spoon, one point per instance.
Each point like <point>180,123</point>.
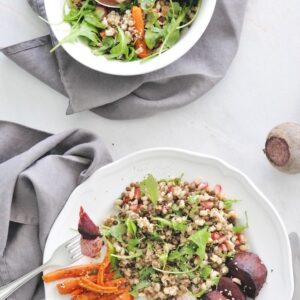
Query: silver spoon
<point>109,3</point>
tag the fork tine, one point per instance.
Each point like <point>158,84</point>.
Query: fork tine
<point>74,249</point>
<point>72,241</point>
<point>77,257</point>
<point>78,251</point>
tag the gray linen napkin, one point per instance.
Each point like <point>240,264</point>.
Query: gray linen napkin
<point>38,172</point>
<point>137,96</point>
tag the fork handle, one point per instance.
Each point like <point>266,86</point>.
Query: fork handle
<point>10,288</point>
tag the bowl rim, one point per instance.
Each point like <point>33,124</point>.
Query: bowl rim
<point>152,152</point>
<point>82,53</point>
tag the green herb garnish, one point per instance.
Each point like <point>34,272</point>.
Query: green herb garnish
<point>149,187</point>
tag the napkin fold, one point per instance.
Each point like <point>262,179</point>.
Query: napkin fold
<point>118,97</point>
<point>38,172</point>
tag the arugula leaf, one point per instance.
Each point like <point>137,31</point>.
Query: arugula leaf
<point>138,253</point>
<point>151,38</point>
<point>228,203</point>
<point>163,258</point>
<point>146,273</point>
<point>193,199</point>
<point>113,260</point>
<point>121,48</point>
<point>149,187</point>
<point>132,244</point>
<point>205,272</point>
<point>117,231</point>
<point>200,238</point>
<point>117,275</point>
<point>131,227</point>
<point>200,294</point>
<point>82,30</point>
<point>172,224</point>
<point>141,285</point>
<point>241,228</point>
<point>93,20</point>
<point>163,221</point>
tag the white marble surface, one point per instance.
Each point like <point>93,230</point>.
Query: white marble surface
<point>261,90</point>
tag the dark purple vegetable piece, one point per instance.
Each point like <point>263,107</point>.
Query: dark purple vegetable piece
<point>87,227</point>
<point>230,289</point>
<point>215,295</point>
<point>249,268</point>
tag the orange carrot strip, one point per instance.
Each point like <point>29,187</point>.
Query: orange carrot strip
<point>141,44</point>
<point>75,271</point>
<point>102,268</point>
<point>137,16</point>
<point>124,296</point>
<point>70,285</point>
<point>87,296</point>
<point>93,287</point>
<point>77,292</point>
<point>120,282</point>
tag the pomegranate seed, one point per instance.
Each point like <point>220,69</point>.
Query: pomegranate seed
<point>215,236</point>
<point>223,248</point>
<point>125,200</point>
<point>207,204</point>
<point>137,193</point>
<point>218,189</point>
<point>135,207</point>
<point>170,189</point>
<point>203,185</point>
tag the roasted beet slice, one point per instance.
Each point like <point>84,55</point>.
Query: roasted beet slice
<point>249,268</point>
<point>215,295</point>
<point>230,289</point>
<point>91,248</point>
<point>87,227</point>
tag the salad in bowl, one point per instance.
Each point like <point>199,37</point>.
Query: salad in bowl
<point>147,34</point>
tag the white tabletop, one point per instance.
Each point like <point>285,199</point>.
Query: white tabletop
<point>261,90</point>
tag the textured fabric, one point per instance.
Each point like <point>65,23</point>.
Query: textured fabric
<point>137,96</point>
<point>38,172</point>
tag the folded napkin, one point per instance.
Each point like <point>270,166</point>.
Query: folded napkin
<point>137,96</point>
<point>38,172</point>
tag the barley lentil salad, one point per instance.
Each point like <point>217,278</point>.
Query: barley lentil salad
<point>171,238</point>
<point>138,29</point>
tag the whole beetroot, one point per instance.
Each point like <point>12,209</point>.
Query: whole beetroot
<point>282,147</point>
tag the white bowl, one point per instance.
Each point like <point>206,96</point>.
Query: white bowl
<point>83,54</point>
<point>266,234</point>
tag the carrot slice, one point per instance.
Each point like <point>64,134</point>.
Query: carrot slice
<point>93,287</point>
<point>75,271</point>
<point>77,292</point>
<point>102,268</point>
<point>141,44</point>
<point>87,296</point>
<point>124,296</point>
<point>137,16</point>
<point>70,285</point>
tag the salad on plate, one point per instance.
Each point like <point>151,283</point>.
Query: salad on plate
<point>168,239</point>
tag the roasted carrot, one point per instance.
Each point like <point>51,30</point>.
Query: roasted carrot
<point>75,271</point>
<point>87,296</point>
<point>70,285</point>
<point>137,16</point>
<point>124,296</point>
<point>141,44</point>
<point>102,34</point>
<point>96,288</point>
<point>102,268</point>
<point>120,282</point>
<point>77,292</point>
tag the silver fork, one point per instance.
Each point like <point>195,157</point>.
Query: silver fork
<point>64,255</point>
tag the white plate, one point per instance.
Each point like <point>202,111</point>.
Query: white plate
<point>83,54</point>
<point>267,235</point>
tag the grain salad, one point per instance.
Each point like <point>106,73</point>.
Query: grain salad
<point>137,29</point>
<point>170,237</point>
